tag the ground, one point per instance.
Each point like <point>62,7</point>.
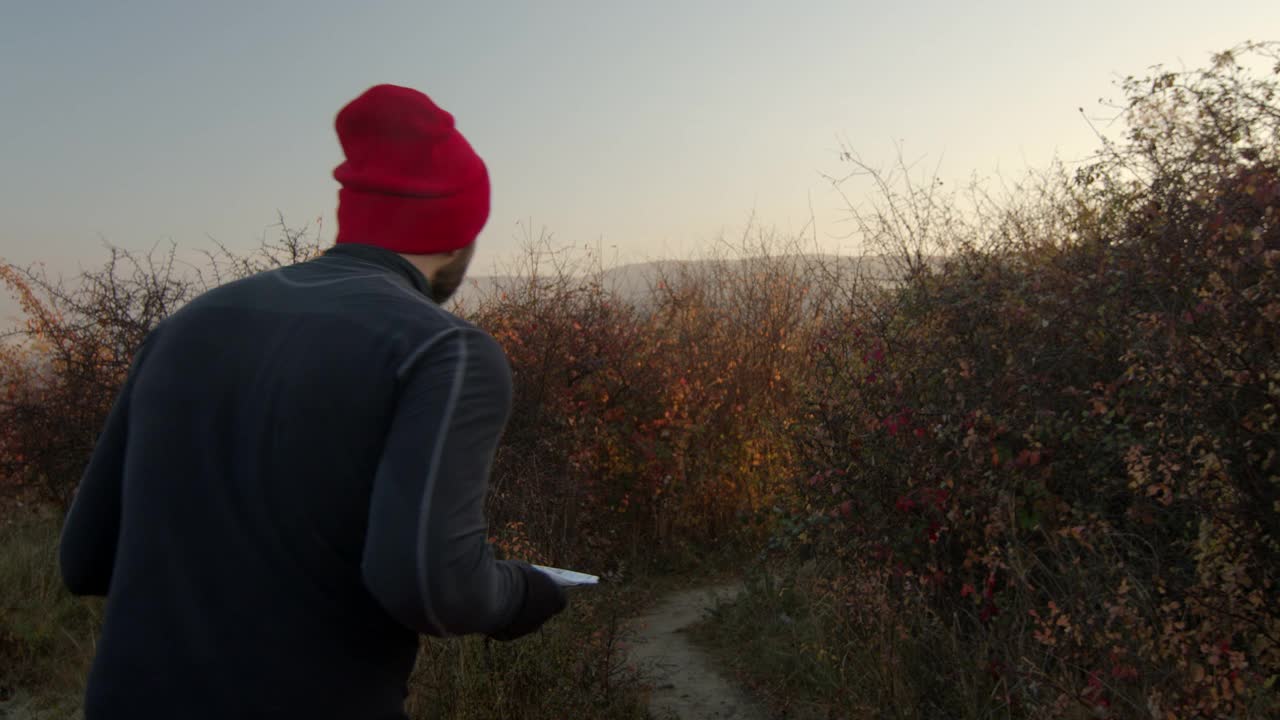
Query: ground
<point>687,685</point>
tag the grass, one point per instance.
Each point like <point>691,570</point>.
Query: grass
<point>574,667</point>
<point>804,657</point>
<point>46,634</point>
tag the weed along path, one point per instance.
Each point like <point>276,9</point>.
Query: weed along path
<point>686,685</point>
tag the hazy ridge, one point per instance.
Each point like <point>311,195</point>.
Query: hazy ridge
<point>634,282</point>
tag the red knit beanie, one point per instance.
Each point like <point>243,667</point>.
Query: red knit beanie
<point>411,183</point>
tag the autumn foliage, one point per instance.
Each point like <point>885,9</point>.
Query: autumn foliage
<point>1042,476</point>
<point>643,426</point>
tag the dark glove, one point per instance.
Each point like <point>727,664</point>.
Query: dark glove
<point>543,600</point>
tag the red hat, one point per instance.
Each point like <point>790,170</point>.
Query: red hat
<point>411,183</point>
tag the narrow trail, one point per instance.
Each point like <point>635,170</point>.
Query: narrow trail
<point>686,685</point>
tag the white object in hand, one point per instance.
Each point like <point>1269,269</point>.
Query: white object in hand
<point>568,577</point>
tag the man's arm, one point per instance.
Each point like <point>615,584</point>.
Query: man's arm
<point>87,548</point>
<point>426,557</point>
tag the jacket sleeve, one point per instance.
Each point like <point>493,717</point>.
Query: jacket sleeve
<point>87,547</point>
<point>426,556</point>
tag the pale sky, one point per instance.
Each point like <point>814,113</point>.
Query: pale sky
<point>649,127</point>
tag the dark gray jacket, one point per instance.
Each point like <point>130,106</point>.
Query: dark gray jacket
<point>288,491</point>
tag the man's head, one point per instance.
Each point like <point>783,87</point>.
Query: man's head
<point>411,183</point>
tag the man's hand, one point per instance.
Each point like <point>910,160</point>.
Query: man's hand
<point>543,600</point>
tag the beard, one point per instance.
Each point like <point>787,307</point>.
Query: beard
<point>448,278</point>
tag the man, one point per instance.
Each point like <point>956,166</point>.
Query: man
<point>290,486</point>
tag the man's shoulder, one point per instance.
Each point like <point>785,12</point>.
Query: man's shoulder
<point>447,329</point>
<point>398,318</point>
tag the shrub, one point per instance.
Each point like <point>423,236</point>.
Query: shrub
<point>652,424</point>
<point>1060,447</point>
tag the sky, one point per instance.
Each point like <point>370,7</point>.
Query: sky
<point>643,129</point>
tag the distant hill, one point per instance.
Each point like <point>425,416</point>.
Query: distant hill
<point>634,282</point>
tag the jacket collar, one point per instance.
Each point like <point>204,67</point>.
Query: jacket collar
<point>386,258</point>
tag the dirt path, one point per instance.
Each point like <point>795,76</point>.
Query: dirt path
<point>686,685</point>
